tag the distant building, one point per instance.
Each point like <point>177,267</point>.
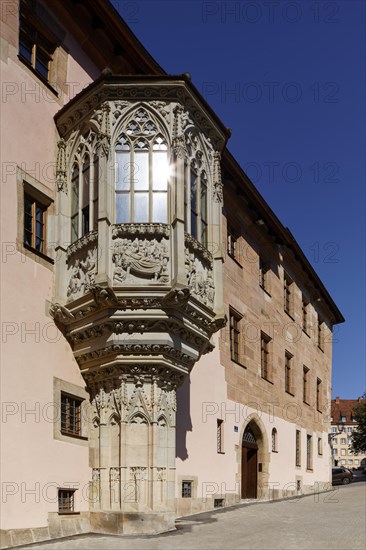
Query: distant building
<point>166,345</point>
<point>343,427</point>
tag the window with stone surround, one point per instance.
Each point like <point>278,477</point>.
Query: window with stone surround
<point>320,446</point>
<point>320,334</point>
<point>265,356</point>
<point>264,272</point>
<point>319,394</point>
<point>186,489</point>
<point>288,373</point>
<point>235,336</point>
<point>34,205</point>
<point>305,315</point>
<point>274,441</point>
<point>232,242</point>
<point>305,384</point>
<point>309,452</point>
<point>298,448</point>
<point>288,295</point>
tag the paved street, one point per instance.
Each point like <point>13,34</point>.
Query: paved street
<point>334,520</point>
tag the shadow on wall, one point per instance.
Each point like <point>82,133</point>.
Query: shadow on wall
<point>184,422</point>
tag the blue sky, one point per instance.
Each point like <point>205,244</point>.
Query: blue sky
<point>288,77</point>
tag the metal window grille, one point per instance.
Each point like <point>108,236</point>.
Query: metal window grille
<point>70,415</point>
<point>65,500</point>
<point>298,448</point>
<point>220,438</point>
<point>186,489</point>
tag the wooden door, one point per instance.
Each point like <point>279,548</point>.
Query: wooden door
<point>249,465</point>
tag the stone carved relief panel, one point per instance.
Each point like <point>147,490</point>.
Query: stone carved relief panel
<point>83,269</point>
<point>141,256</point>
<point>199,278</point>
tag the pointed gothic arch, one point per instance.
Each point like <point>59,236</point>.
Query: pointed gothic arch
<point>254,458</point>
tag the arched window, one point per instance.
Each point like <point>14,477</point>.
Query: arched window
<point>84,194</point>
<point>85,210</point>
<point>142,173</point>
<point>274,441</point>
<point>75,203</point>
<point>195,200</point>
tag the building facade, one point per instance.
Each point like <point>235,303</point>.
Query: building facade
<point>166,344</point>
<point>343,426</point>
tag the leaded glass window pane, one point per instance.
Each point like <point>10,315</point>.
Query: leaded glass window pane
<point>141,208</point>
<point>140,171</point>
<point>160,207</point>
<point>160,170</point>
<point>122,208</point>
<point>123,171</point>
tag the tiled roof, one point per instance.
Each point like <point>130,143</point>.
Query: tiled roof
<point>343,407</point>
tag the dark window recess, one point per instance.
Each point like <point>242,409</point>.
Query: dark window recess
<point>234,337</point>
<point>232,248</point>
<point>265,340</point>
<point>70,415</point>
<point>34,224</point>
<point>218,502</point>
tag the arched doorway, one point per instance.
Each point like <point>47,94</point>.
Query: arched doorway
<point>249,464</point>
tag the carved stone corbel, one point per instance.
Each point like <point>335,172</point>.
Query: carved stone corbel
<point>61,314</point>
<point>103,296</point>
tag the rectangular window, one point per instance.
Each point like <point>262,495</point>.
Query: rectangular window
<point>265,364</point>
<point>309,452</point>
<point>232,249</point>
<point>305,320</point>
<point>298,448</point>
<point>343,441</point>
<point>70,414</point>
<point>187,489</point>
<point>343,452</point>
<point>320,335</point>
<point>34,224</point>
<point>66,501</point>
<point>235,336</point>
<point>335,451</point>
<point>263,275</point>
<point>318,394</point>
<point>305,385</point>
<point>320,446</point>
<point>220,436</point>
<point>35,47</point>
<point>287,298</point>
<point>288,372</point>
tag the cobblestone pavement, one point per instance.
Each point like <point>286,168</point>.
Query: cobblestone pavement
<point>333,520</point>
